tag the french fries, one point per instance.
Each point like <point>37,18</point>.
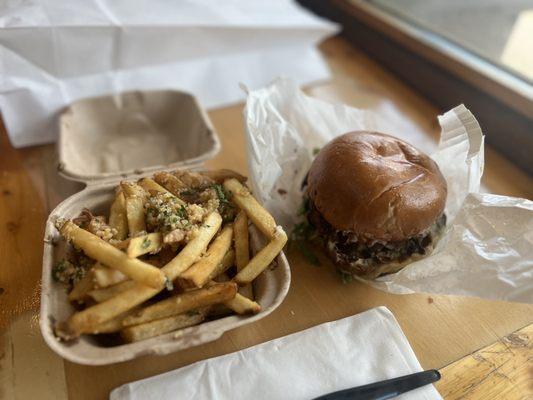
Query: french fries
<point>169,182</point>
<point>83,287</point>
<point>242,245</point>
<point>220,175</point>
<point>117,216</point>
<point>161,326</point>
<point>195,248</point>
<point>150,185</point>
<point>260,217</point>
<point>85,321</point>
<point>103,294</point>
<point>227,262</point>
<point>135,196</point>
<point>104,252</point>
<point>242,305</point>
<point>242,249</point>
<point>122,245</point>
<point>199,272</point>
<point>88,320</point>
<point>111,326</point>
<point>263,258</point>
<point>104,277</point>
<point>192,179</point>
<point>217,293</point>
<point>202,246</point>
<point>149,243</point>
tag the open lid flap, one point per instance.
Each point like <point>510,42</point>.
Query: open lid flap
<point>132,133</point>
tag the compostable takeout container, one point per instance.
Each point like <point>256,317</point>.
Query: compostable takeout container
<point>127,136</point>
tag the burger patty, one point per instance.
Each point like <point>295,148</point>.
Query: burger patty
<point>351,253</point>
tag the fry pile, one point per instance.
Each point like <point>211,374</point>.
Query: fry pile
<point>173,253</point>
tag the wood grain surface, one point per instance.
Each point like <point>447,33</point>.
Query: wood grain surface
<point>441,329</point>
<point>503,370</point>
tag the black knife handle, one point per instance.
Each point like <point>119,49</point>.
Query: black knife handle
<point>385,389</point>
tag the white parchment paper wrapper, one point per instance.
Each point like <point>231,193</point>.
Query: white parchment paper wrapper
<point>487,250</point>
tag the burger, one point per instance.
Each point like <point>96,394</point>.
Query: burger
<point>376,202</point>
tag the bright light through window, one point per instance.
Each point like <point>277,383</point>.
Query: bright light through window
<point>500,31</point>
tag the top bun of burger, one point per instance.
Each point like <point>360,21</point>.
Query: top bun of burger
<point>376,186</point>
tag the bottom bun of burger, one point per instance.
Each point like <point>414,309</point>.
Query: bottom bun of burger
<point>376,201</point>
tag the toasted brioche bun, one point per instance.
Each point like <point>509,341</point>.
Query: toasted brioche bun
<point>376,186</point>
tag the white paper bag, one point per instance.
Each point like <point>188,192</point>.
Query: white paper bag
<point>52,53</point>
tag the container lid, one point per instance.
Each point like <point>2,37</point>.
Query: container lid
<point>116,136</point>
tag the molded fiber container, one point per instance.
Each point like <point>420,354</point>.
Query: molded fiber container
<point>127,136</point>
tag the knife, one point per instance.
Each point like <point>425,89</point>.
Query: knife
<point>385,389</point>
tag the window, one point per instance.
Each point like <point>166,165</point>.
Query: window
<point>500,32</point>
<point>476,52</point>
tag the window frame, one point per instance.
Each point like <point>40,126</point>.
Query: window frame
<point>472,68</point>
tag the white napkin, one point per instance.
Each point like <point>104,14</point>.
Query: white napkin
<point>52,53</point>
<point>353,351</point>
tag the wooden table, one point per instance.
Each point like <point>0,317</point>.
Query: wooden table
<point>440,329</point>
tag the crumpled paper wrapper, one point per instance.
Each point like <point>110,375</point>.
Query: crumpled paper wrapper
<point>487,248</point>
